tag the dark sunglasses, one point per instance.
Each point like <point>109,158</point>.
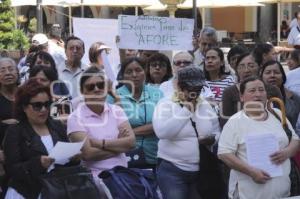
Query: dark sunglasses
<point>185,62</point>
<point>159,64</point>
<point>37,106</point>
<point>91,87</point>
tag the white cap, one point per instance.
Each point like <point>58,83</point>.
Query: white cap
<point>39,39</point>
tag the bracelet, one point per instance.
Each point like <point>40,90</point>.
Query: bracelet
<point>103,144</point>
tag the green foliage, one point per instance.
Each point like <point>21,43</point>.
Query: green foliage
<point>10,38</point>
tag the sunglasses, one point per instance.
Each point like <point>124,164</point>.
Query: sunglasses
<point>159,64</point>
<point>91,87</point>
<point>179,63</point>
<point>37,106</point>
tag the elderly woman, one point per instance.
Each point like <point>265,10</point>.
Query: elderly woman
<point>231,103</point>
<point>177,121</point>
<point>255,120</point>
<point>158,69</point>
<point>28,143</point>
<point>105,127</point>
<point>138,101</point>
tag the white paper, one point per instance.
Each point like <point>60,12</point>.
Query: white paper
<point>259,149</point>
<point>91,30</point>
<point>155,33</point>
<point>63,151</point>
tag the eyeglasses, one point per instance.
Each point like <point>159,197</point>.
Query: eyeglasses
<point>37,106</point>
<point>91,87</point>
<point>159,64</point>
<point>182,62</point>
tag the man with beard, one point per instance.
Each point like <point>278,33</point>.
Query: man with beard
<point>70,71</point>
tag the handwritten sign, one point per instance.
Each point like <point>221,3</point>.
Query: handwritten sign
<point>155,33</point>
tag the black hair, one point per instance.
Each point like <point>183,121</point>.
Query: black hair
<point>272,62</point>
<point>90,72</point>
<point>74,38</point>
<point>49,72</point>
<point>260,50</point>
<point>237,49</point>
<point>295,55</point>
<point>128,61</point>
<point>43,56</point>
<point>222,68</point>
<point>249,79</point>
<point>161,58</point>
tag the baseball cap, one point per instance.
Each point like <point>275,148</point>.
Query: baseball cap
<point>39,39</point>
<point>191,77</point>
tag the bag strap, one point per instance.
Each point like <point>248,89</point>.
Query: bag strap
<point>120,183</point>
<point>282,120</point>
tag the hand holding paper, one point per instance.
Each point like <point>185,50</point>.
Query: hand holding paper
<point>63,151</point>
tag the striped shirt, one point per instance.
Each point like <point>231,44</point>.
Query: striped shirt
<point>218,87</point>
<point>294,36</point>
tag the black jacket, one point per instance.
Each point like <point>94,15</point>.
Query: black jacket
<point>23,148</point>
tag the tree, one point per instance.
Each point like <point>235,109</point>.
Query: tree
<point>10,38</point>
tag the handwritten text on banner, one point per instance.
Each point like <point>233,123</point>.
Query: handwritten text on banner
<point>155,33</point>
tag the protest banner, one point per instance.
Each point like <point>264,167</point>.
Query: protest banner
<point>155,33</point>
<point>104,30</point>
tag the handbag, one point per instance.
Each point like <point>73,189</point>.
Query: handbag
<point>137,157</point>
<point>295,172</point>
<point>74,182</point>
<point>210,184</point>
<point>126,183</point>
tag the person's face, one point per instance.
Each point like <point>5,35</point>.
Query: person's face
<point>158,69</point>
<point>74,51</point>
<point>212,61</point>
<point>254,96</point>
<point>134,74</point>
<point>272,55</point>
<point>130,53</point>
<point>95,89</point>
<point>40,61</point>
<point>246,68</point>
<point>272,75</point>
<point>42,79</point>
<point>292,64</point>
<point>180,61</point>
<point>205,43</point>
<point>233,60</point>
<point>8,73</point>
<point>37,111</point>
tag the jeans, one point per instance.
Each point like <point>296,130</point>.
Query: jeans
<point>175,183</point>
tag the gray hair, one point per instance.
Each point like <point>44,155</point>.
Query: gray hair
<point>209,32</point>
<point>8,59</point>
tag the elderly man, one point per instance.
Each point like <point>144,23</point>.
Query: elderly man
<point>70,71</point>
<point>181,60</point>
<point>207,39</point>
<point>294,36</point>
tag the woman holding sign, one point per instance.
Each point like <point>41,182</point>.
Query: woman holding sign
<point>28,143</point>
<point>268,175</point>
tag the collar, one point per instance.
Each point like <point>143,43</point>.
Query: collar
<point>125,92</point>
<point>87,112</point>
<point>66,68</point>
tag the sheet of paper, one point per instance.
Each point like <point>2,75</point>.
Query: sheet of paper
<point>63,151</point>
<point>259,149</point>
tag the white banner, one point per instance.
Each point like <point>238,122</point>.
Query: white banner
<point>93,30</point>
<point>155,33</point>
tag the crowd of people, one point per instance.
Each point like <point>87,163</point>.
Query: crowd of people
<point>168,111</point>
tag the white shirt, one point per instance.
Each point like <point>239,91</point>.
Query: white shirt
<point>293,81</point>
<point>57,52</point>
<point>293,23</point>
<point>178,142</point>
<point>232,140</point>
<point>294,36</point>
<point>71,78</point>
